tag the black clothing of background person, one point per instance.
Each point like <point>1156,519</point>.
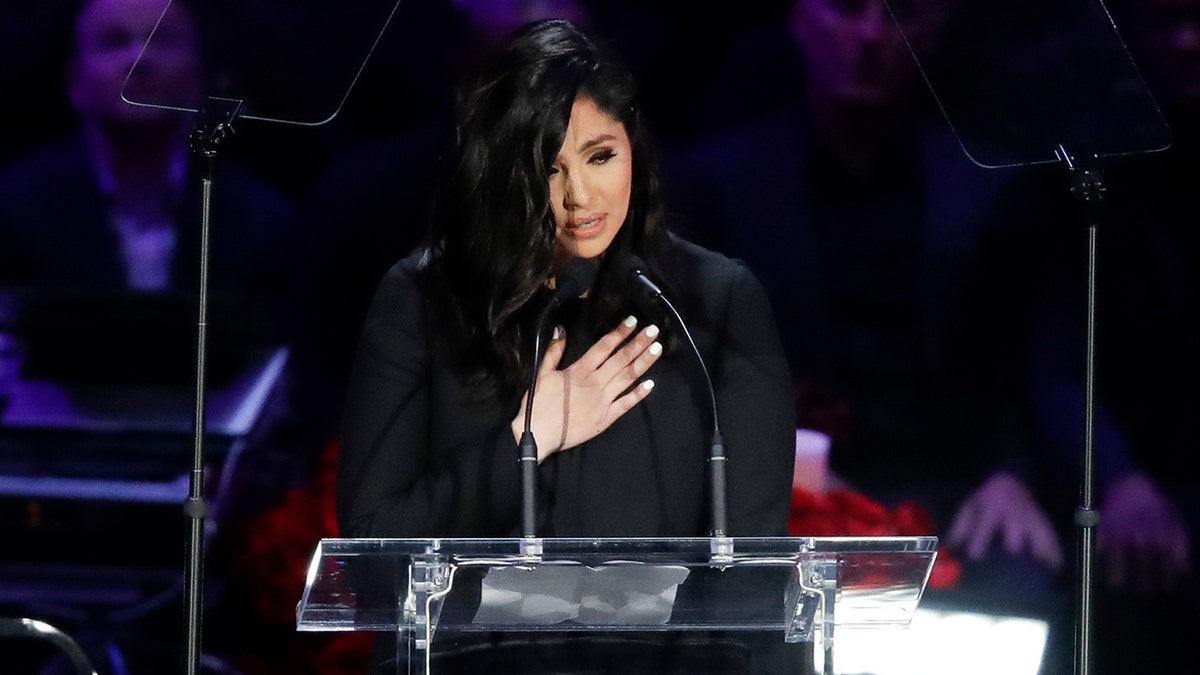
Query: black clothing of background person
<point>56,234</point>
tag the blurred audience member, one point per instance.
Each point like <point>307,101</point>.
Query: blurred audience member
<point>110,217</point>
<point>113,211</point>
<point>1148,285</point>
<point>34,100</point>
<point>857,208</point>
<point>114,206</point>
<point>494,20</point>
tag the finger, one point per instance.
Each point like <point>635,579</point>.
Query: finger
<point>1048,547</point>
<point>988,528</point>
<point>595,356</point>
<point>1043,542</point>
<point>626,403</point>
<point>631,361</point>
<point>960,526</point>
<point>1167,570</point>
<point>1147,568</point>
<point>554,352</point>
<point>1176,563</point>
<point>1016,535</point>
<point>1150,570</point>
<point>644,360</point>
<point>977,543</point>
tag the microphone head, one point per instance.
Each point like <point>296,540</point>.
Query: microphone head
<point>574,279</point>
<point>631,264</point>
<point>635,269</point>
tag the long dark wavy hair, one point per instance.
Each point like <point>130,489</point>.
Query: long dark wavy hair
<point>491,239</point>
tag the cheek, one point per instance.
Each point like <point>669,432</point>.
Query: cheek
<point>90,87</point>
<point>627,190</point>
<point>556,206</point>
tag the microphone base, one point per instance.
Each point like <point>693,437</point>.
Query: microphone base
<point>531,547</point>
<point>721,549</point>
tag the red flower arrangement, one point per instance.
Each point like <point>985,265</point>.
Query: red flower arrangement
<point>842,512</point>
<point>271,562</point>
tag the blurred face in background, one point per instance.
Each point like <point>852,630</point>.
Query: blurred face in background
<point>1169,34</point>
<point>109,37</point>
<point>493,20</point>
<point>854,54</point>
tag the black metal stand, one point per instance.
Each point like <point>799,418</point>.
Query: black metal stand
<point>1088,189</point>
<point>214,124</point>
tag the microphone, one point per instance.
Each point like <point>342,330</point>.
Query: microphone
<point>635,268</point>
<point>572,281</point>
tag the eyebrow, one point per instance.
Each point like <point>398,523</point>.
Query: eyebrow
<point>593,142</point>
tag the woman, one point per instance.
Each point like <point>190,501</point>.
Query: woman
<point>553,163</point>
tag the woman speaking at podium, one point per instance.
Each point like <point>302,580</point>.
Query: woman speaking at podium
<point>552,165</point>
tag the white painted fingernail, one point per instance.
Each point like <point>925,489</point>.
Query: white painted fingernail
<point>557,333</point>
<point>630,321</point>
<point>652,331</point>
<point>648,385</point>
<point>656,348</point>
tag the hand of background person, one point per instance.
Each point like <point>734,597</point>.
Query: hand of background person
<point>1141,540</point>
<point>576,403</point>
<point>1003,509</point>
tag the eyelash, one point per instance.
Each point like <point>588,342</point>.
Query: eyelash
<point>601,157</point>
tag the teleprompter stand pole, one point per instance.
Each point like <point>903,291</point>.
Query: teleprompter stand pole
<point>1088,189</point>
<point>214,124</point>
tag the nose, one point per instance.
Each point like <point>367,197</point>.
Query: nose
<point>576,191</point>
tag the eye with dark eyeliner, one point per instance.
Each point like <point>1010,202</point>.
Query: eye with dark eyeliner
<point>602,156</point>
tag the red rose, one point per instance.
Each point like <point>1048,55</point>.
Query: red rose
<point>845,513</point>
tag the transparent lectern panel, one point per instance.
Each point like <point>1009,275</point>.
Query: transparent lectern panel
<point>291,62</point>
<point>878,590</point>
<point>465,585</point>
<point>1016,80</point>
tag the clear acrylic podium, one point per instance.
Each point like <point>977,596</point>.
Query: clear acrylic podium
<point>799,587</point>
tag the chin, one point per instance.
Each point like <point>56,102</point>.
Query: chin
<point>589,252</point>
<point>584,249</point>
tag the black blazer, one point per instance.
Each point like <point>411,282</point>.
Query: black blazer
<point>419,459</point>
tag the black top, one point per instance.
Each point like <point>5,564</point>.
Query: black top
<point>422,457</point>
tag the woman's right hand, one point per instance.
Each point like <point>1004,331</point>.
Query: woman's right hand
<point>575,404</point>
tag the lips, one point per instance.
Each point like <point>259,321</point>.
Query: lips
<point>588,227</point>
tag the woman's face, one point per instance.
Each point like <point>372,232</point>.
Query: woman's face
<point>590,183</point>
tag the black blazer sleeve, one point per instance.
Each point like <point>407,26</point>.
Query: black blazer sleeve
<point>756,409</point>
<point>395,479</point>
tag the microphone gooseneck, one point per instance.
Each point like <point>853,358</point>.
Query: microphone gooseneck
<point>572,281</point>
<point>634,267</point>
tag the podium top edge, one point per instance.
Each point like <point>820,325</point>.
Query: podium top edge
<point>741,546</point>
